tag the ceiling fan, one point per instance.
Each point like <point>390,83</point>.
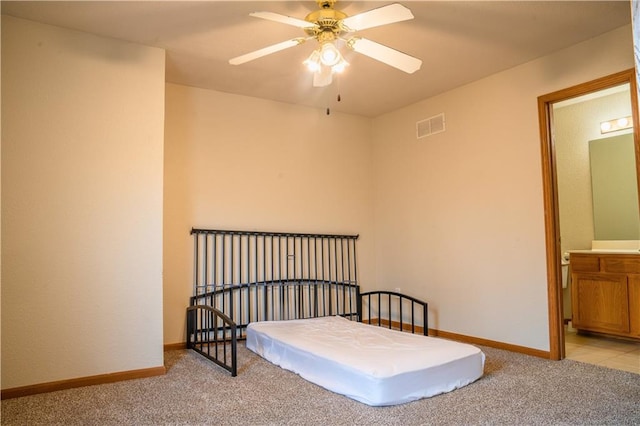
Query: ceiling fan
<point>329,27</point>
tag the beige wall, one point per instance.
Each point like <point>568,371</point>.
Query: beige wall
<point>234,162</point>
<point>459,215</point>
<point>82,160</point>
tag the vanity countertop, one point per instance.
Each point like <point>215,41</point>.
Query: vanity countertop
<point>611,247</point>
<point>606,251</point>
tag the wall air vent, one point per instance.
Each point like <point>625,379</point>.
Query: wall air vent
<point>430,126</point>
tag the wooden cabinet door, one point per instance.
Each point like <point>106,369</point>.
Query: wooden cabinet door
<point>600,302</point>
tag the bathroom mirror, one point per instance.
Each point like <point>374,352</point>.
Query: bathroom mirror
<point>616,215</point>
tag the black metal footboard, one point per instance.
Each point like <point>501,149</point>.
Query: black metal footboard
<point>394,310</point>
<point>213,334</point>
<point>276,301</point>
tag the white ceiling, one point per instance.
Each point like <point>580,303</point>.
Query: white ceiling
<point>458,42</point>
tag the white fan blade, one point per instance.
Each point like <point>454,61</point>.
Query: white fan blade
<point>282,19</point>
<point>376,17</point>
<point>266,51</point>
<point>322,78</point>
<point>385,54</point>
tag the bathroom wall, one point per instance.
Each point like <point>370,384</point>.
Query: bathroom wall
<point>575,124</point>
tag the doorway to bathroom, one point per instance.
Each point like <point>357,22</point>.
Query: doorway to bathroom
<point>568,199</point>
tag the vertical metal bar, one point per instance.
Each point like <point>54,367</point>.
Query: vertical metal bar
<point>315,276</point>
<point>322,267</point>
<point>401,326</point>
<point>257,279</point>
<point>335,266</point>
<point>233,279</point>
<point>335,258</point>
<point>413,317</point>
<point>202,331</point>
<point>331,281</point>
<point>425,320</point>
<point>247,274</point>
<point>245,297</point>
<point>309,293</point>
<point>234,351</point>
<point>281,275</point>
<point>389,309</point>
<point>214,260</point>
<point>341,279</point>
<point>291,257</point>
<point>299,275</point>
<point>213,319</point>
<point>195,264</point>
<point>290,304</point>
<point>273,254</point>
<point>189,328</point>
<point>264,277</point>
<point>358,304</point>
<point>348,242</point>
<point>239,282</point>
<point>231,272</point>
<point>205,263</point>
<point>223,263</point>
<point>355,263</point>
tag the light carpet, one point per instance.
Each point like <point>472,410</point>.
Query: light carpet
<point>515,390</point>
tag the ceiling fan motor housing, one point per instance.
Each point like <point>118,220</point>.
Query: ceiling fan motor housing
<point>327,24</point>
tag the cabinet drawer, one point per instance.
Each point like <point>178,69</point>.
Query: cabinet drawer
<point>629,264</point>
<point>584,263</point>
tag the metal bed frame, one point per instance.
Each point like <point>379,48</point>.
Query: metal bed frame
<point>247,276</point>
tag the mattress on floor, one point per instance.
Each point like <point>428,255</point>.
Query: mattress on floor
<point>373,365</point>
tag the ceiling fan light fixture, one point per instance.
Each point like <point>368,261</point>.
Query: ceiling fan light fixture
<point>330,55</point>
<point>340,66</point>
<point>313,61</point>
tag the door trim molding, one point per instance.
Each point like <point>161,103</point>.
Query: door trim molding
<point>550,191</point>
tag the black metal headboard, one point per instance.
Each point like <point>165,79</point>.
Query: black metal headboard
<point>224,258</point>
<point>259,276</point>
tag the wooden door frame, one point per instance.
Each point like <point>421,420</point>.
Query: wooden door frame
<point>550,191</point>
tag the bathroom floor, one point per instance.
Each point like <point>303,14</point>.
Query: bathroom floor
<point>608,352</point>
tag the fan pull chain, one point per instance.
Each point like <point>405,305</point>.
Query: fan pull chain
<point>329,109</point>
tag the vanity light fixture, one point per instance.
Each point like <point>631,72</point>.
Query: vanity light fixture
<point>616,124</point>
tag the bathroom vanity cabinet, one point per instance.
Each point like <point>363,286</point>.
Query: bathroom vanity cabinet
<point>605,293</point>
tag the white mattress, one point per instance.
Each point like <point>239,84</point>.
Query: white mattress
<point>370,364</point>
